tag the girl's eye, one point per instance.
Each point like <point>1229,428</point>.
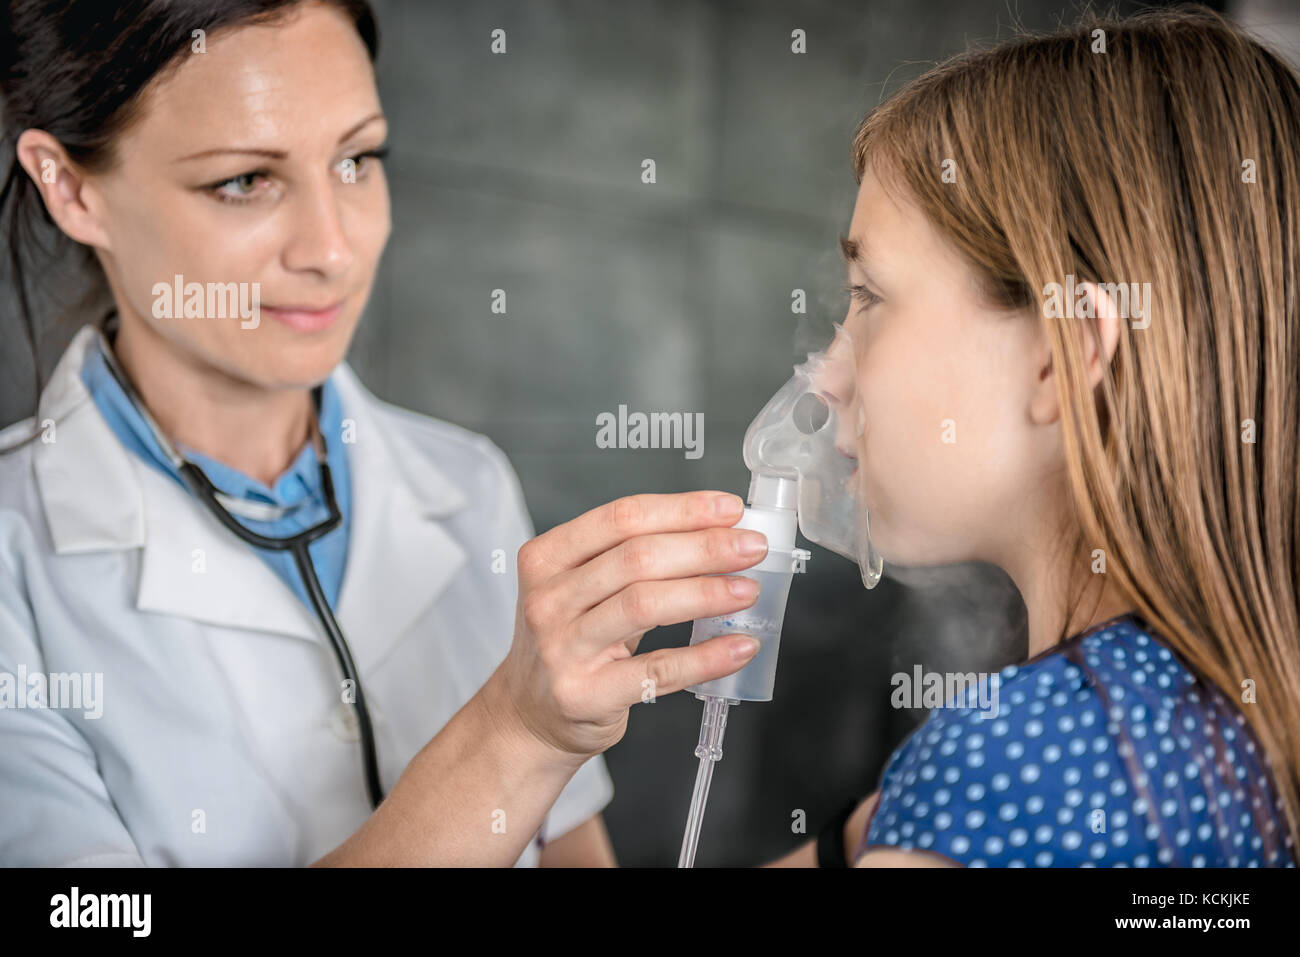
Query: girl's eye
<point>861,294</point>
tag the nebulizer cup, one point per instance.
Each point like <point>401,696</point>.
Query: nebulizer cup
<point>762,620</point>
<point>801,451</point>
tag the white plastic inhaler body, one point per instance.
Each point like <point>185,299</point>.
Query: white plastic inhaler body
<point>800,451</point>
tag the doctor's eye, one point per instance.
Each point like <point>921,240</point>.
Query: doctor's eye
<point>243,187</point>
<point>359,160</point>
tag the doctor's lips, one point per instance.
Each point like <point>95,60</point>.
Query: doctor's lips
<point>306,318</point>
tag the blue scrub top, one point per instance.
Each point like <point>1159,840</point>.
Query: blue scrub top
<point>300,483</point>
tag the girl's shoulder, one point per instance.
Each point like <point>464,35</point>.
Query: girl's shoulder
<point>1107,750</point>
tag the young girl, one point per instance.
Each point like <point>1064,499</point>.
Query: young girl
<point>1074,269</point>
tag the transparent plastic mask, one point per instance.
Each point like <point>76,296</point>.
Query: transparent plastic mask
<point>810,431</point>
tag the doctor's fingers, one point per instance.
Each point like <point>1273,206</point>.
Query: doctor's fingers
<point>579,540</point>
<point>672,555</point>
<point>642,678</point>
<point>629,614</point>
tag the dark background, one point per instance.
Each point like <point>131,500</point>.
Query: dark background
<point>522,172</point>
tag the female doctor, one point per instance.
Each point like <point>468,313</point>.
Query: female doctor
<point>250,614</point>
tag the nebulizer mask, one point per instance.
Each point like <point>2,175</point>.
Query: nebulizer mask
<point>801,452</point>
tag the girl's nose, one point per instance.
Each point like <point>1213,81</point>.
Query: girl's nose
<point>836,376</point>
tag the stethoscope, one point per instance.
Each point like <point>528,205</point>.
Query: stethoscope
<point>221,505</point>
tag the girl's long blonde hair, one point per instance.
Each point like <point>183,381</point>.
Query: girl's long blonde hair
<point>1161,149</point>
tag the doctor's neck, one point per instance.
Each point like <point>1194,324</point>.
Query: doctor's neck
<point>199,406</point>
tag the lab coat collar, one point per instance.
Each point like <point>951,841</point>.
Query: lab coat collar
<point>400,558</point>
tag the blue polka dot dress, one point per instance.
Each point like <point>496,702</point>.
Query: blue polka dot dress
<point>1104,751</point>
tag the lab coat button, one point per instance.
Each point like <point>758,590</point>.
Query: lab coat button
<point>343,722</point>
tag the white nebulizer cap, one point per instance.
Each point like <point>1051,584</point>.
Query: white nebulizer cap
<point>801,451</point>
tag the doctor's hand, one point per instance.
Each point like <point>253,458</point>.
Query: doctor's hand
<point>591,588</point>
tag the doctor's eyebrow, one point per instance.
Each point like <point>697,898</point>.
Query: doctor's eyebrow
<point>276,154</point>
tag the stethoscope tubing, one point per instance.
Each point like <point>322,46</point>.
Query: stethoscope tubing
<point>296,545</point>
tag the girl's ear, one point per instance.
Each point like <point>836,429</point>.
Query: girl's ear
<point>1100,339</point>
<point>62,186</point>
<point>1100,349</point>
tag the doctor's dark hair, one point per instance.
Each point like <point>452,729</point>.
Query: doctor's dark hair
<point>78,69</point>
<point>1162,149</point>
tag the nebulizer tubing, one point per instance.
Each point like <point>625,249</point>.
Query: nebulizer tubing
<point>803,475</point>
<point>712,727</point>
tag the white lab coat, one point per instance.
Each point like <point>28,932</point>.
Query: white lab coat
<point>222,738</point>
